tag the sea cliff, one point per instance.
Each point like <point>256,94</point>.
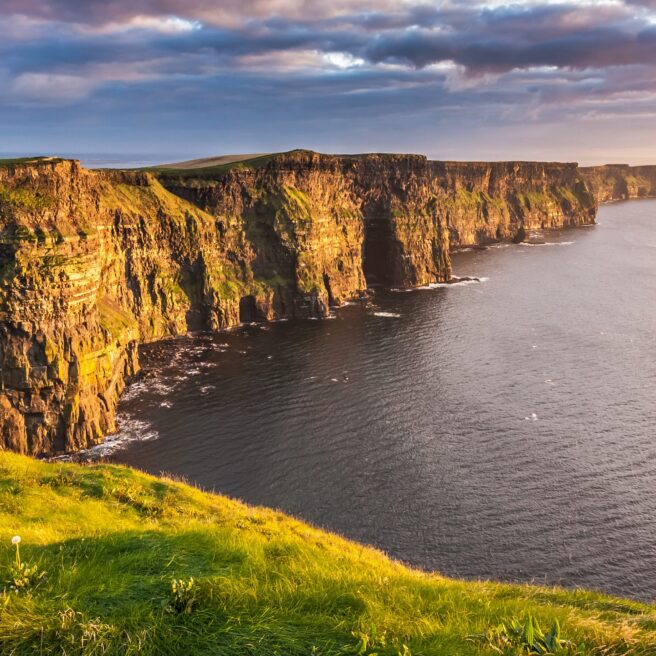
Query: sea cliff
<point>94,262</point>
<point>620,181</point>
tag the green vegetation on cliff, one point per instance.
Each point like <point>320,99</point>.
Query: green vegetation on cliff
<point>112,561</point>
<point>210,171</point>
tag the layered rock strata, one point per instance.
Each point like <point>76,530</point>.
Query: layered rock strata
<point>94,262</point>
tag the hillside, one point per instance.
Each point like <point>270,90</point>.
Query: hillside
<point>109,542</point>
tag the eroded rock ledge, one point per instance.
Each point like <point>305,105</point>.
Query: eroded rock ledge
<point>94,262</point>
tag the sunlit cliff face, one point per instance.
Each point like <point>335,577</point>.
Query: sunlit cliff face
<point>465,80</point>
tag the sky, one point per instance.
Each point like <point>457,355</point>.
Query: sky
<point>173,79</point>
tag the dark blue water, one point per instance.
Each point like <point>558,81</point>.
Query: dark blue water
<point>504,429</point>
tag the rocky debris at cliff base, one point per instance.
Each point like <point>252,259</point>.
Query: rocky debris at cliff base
<point>459,279</point>
<point>474,247</point>
<point>546,243</point>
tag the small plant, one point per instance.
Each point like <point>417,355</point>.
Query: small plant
<point>183,595</point>
<point>21,575</point>
<point>526,637</point>
<point>374,644</point>
<point>76,631</point>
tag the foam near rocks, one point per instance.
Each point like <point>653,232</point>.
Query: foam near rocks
<point>129,430</point>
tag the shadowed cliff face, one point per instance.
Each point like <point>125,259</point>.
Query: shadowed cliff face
<point>94,262</point>
<point>620,181</point>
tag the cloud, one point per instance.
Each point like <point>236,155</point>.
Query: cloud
<point>50,88</point>
<point>484,62</point>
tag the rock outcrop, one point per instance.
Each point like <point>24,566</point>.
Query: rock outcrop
<point>94,262</point>
<point>620,182</point>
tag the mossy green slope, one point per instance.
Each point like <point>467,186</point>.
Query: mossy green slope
<point>111,540</point>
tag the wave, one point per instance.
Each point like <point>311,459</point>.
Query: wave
<point>445,285</point>
<point>134,390</point>
<point>129,430</point>
<point>390,315</point>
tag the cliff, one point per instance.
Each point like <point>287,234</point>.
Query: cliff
<point>487,202</point>
<point>620,181</point>
<point>94,262</point>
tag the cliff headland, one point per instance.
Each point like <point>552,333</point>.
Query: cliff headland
<point>94,262</point>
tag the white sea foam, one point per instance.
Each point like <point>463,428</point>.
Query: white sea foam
<point>444,285</point>
<point>533,417</point>
<point>134,390</point>
<point>159,387</point>
<point>129,430</point>
<point>391,315</point>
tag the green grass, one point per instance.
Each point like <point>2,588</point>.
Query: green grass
<point>211,171</point>
<point>16,161</point>
<point>111,541</point>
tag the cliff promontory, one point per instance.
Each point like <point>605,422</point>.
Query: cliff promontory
<point>94,262</point>
<point>620,181</point>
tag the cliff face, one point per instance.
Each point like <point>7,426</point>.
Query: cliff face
<point>620,181</point>
<point>94,262</point>
<point>487,202</point>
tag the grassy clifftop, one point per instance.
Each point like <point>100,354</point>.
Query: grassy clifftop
<point>110,541</point>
